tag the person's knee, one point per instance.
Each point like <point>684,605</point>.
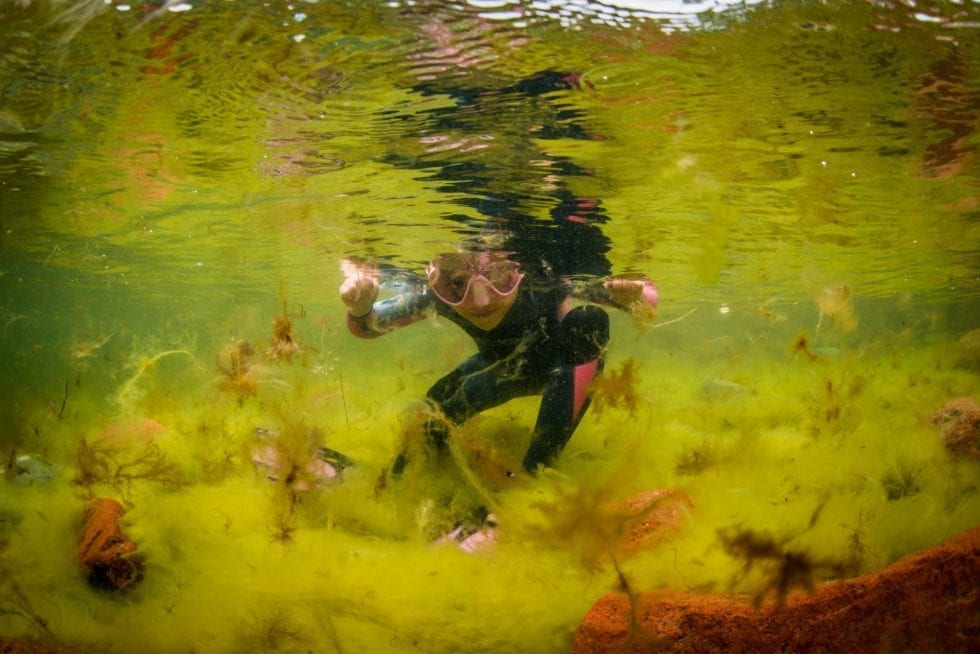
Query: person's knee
<point>584,334</point>
<point>425,422</point>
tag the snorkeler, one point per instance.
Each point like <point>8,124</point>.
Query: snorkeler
<point>529,338</point>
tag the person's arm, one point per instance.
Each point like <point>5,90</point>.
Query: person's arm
<point>366,316</point>
<point>625,293</point>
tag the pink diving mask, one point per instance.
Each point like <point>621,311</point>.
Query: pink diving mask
<point>452,276</point>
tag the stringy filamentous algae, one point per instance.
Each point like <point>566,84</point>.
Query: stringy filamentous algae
<point>828,453</point>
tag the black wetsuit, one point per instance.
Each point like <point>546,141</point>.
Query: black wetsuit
<point>532,351</point>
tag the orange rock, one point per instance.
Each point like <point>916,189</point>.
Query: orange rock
<point>926,602</point>
<point>650,517</point>
<point>108,557</point>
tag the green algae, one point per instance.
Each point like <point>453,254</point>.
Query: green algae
<point>358,567</point>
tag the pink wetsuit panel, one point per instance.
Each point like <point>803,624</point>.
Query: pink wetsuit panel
<point>584,374</point>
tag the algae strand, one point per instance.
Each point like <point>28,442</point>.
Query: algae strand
<point>127,391</point>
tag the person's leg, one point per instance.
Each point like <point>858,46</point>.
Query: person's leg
<point>583,336</point>
<point>475,385</point>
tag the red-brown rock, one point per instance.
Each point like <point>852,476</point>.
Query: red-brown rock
<point>926,602</point>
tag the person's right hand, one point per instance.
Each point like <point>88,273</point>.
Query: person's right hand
<point>360,288</point>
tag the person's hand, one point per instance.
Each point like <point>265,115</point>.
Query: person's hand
<point>360,288</point>
<point>630,293</point>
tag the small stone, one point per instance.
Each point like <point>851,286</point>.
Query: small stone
<point>958,422</point>
<point>27,469</point>
<point>649,518</point>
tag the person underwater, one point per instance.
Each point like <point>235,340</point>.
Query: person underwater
<point>530,339</point>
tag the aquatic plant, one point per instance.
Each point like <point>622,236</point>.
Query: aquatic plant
<point>901,481</point>
<point>483,456</point>
<point>801,344</point>
<point>14,601</point>
<point>270,628</point>
<point>696,459</point>
<point>857,551</point>
<point>783,567</point>
<point>643,315</point>
<point>473,461</point>
<point>119,464</point>
<point>222,455</point>
<point>617,388</point>
<point>639,639</point>
<point>239,376</point>
<point>601,523</point>
<point>283,524</point>
<point>587,517</point>
<point>82,351</point>
<point>475,480</point>
<point>291,457</point>
<point>284,344</point>
<point>129,393</point>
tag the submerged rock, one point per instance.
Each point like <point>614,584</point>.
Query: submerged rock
<point>27,469</point>
<point>958,422</point>
<point>649,517</point>
<point>926,602</point>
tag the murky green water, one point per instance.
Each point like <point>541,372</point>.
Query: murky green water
<point>171,175</point>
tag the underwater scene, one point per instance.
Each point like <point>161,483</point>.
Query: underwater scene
<point>693,291</point>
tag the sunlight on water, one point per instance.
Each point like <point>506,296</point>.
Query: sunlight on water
<point>180,181</point>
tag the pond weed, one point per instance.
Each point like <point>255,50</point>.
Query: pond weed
<point>784,568</point>
<point>284,345</point>
<point>117,465</point>
<point>617,388</point>
<point>239,375</point>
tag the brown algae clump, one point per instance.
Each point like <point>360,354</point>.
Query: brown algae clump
<point>239,376</point>
<point>107,556</point>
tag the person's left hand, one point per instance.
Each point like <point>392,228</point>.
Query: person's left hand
<point>630,292</point>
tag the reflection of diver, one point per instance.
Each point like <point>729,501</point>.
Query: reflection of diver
<point>943,96</point>
<point>485,146</point>
<point>529,338</point>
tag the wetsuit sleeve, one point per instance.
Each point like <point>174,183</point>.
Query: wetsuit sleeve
<point>594,291</point>
<point>403,309</point>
